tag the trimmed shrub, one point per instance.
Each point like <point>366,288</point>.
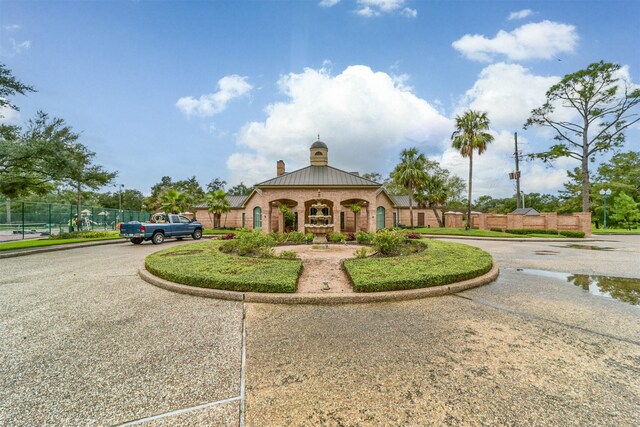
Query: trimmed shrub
<point>248,244</point>
<point>308,237</point>
<point>498,229</point>
<point>389,242</point>
<point>82,234</point>
<point>295,237</point>
<point>266,252</point>
<point>571,233</point>
<point>531,231</point>
<point>364,238</point>
<point>361,253</point>
<point>335,237</point>
<point>288,255</point>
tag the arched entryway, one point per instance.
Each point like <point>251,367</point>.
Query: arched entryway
<point>284,215</point>
<point>353,215</point>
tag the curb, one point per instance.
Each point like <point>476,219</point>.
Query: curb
<point>55,248</point>
<point>327,299</point>
<point>508,239</point>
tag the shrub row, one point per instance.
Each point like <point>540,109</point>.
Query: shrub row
<point>571,233</point>
<point>83,234</point>
<point>203,265</point>
<point>442,263</point>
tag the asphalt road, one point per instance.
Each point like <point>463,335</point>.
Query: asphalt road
<point>85,342</point>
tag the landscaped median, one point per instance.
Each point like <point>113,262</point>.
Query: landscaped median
<point>441,263</point>
<point>203,265</point>
<point>397,268</point>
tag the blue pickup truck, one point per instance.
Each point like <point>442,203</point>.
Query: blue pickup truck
<point>162,226</point>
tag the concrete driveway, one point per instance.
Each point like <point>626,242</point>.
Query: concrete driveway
<point>86,342</point>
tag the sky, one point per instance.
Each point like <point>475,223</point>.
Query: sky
<point>226,88</point>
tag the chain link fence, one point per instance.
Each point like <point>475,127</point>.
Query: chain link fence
<point>23,220</point>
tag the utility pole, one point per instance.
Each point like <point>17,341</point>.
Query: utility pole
<point>517,155</point>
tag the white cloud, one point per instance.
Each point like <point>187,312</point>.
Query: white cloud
<point>328,3</point>
<point>12,27</point>
<point>359,113</point>
<point>521,14</point>
<point>508,93</point>
<point>229,88</point>
<point>9,116</point>
<point>409,13</point>
<point>370,8</point>
<point>491,169</point>
<point>541,40</point>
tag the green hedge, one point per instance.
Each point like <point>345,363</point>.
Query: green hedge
<point>498,229</point>
<point>531,231</point>
<point>442,263</point>
<point>203,265</point>
<point>570,233</point>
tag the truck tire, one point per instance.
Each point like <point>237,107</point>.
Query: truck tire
<point>136,240</point>
<point>158,238</point>
<point>197,234</point>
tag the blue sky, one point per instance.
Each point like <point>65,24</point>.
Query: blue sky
<point>226,88</point>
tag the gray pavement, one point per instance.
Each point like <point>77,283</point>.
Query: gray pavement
<point>86,342</point>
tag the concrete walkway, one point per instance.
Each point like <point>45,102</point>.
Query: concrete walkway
<point>86,342</point>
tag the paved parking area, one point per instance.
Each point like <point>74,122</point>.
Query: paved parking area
<point>86,342</point>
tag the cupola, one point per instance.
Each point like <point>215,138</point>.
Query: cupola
<point>319,153</point>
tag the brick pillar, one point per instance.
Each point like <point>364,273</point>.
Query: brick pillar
<point>336,216</point>
<point>301,216</point>
<point>372,212</point>
<point>280,221</point>
<point>550,220</point>
<point>584,222</point>
<point>482,221</point>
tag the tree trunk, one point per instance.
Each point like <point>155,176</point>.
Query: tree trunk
<point>440,219</point>
<point>586,186</point>
<point>468,225</point>
<point>8,204</point>
<point>411,205</point>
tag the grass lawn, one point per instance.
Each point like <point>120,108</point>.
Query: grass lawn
<point>26,244</point>
<point>440,264</point>
<point>203,265</point>
<point>615,231</point>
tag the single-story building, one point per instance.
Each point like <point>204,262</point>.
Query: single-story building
<point>284,202</point>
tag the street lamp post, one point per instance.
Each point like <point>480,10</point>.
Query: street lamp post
<point>605,193</point>
<point>120,196</point>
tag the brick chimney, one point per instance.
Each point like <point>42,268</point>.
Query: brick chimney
<point>280,167</point>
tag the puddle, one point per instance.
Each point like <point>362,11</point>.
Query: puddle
<point>619,288</point>
<point>587,247</point>
<point>546,253</point>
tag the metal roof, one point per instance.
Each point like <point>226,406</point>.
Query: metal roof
<point>325,176</point>
<point>319,144</point>
<point>401,201</point>
<point>527,212</point>
<point>234,202</point>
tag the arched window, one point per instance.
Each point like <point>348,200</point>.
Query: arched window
<point>380,214</point>
<point>318,153</point>
<point>257,218</point>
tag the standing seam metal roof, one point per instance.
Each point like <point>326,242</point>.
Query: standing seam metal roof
<point>319,176</point>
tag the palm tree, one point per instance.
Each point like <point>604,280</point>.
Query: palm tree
<point>173,201</point>
<point>410,173</point>
<point>355,208</point>
<point>471,134</point>
<point>217,204</point>
<point>433,193</point>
